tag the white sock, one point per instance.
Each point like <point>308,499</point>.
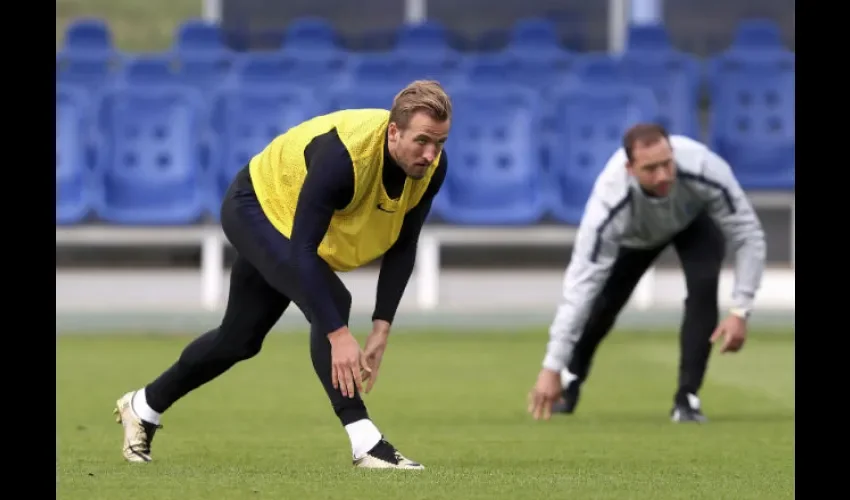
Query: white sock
<point>144,412</point>
<point>363,435</point>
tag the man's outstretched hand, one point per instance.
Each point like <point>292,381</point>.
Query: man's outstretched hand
<point>373,353</point>
<point>544,394</point>
<point>347,362</point>
<point>733,331</point>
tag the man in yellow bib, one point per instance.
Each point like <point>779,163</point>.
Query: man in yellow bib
<point>329,195</point>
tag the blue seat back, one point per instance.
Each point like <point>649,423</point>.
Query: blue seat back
<point>590,122</point>
<point>155,133</point>
<point>429,36</point>
<point>310,34</point>
<point>493,146</point>
<point>197,35</point>
<point>757,34</point>
<point>753,122</point>
<point>73,174</point>
<point>540,71</point>
<point>756,105</point>
<point>205,71</point>
<point>674,78</point>
<point>647,38</point>
<point>92,71</point>
<point>358,97</point>
<point>246,119</point>
<point>399,69</point>
<point>533,34</point>
<point>288,68</point>
<point>150,70</point>
<point>72,119</point>
<point>598,69</point>
<point>87,36</point>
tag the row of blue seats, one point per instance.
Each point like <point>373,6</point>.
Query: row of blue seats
<point>676,80</point>
<point>311,33</point>
<point>158,154</point>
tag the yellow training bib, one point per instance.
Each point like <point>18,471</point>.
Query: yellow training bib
<point>370,224</point>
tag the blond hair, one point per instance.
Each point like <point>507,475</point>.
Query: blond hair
<point>425,96</point>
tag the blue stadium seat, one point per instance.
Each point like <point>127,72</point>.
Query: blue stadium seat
<point>672,76</point>
<point>757,34</point>
<point>541,71</point>
<point>93,71</point>
<point>202,71</point>
<point>149,70</point>
<point>646,38</point>
<point>246,119</point>
<point>589,123</point>
<point>197,35</point>
<point>150,159</point>
<point>675,79</point>
<point>87,36</point>
<point>398,69</point>
<point>533,57</point>
<point>73,169</point>
<point>205,71</point>
<point>753,116</point>
<point>356,97</point>
<point>289,67</point>
<point>493,174</point>
<point>311,34</point>
<point>421,51</point>
<point>428,36</point>
<point>202,58</point>
<point>533,34</point>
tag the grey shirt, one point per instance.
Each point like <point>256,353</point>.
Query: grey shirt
<point>618,213</point>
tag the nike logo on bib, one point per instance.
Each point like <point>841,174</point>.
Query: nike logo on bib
<point>382,209</point>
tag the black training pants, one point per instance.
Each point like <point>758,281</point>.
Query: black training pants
<point>262,285</point>
<point>701,249</point>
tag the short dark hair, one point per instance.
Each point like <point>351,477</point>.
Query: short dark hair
<point>643,134</point>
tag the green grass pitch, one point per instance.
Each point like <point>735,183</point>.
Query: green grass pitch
<point>456,402</point>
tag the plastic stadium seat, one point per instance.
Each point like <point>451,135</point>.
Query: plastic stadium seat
<point>757,34</point>
<point>540,71</point>
<point>533,57</point>
<point>197,35</point>
<point>753,116</point>
<point>73,189</point>
<point>590,122</point>
<point>247,119</point>
<point>205,72</point>
<point>675,79</point>
<point>86,70</point>
<point>87,57</point>
<point>289,67</point>
<point>311,34</point>
<point>421,51</point>
<point>87,35</point>
<point>151,156</point>
<point>149,70</point>
<point>202,59</point>
<point>493,174</point>
<point>357,97</point>
<point>598,69</point>
<point>672,76</point>
<point>532,34</point>
<point>650,37</point>
<point>429,36</point>
<point>398,69</point>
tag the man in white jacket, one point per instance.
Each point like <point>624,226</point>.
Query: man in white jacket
<point>655,191</point>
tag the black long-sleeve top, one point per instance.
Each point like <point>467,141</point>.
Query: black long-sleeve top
<point>329,186</point>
